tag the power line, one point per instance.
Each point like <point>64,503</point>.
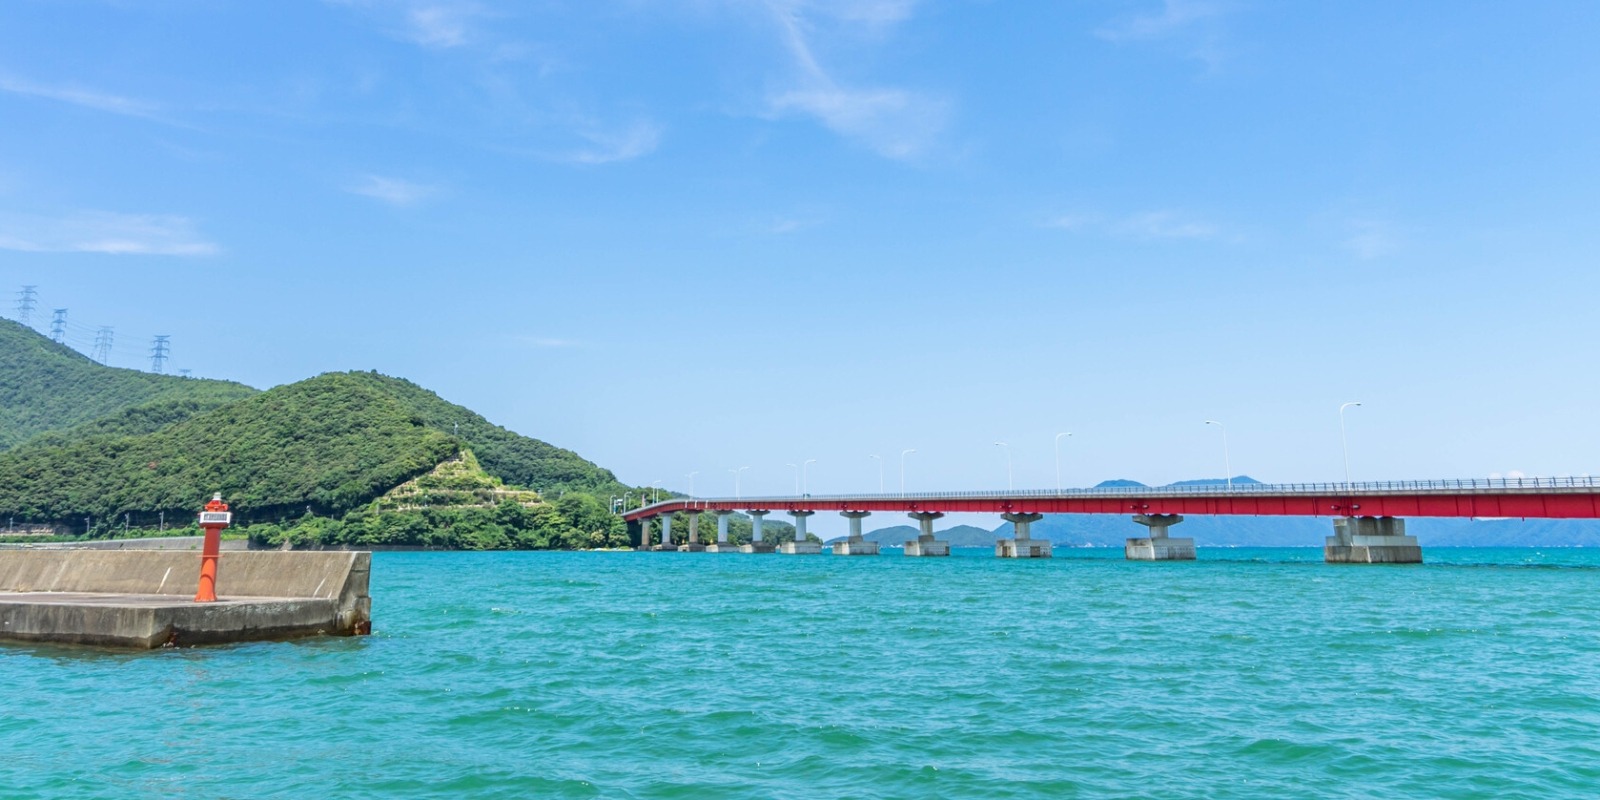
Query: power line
<point>25,301</point>
<point>102,343</point>
<point>158,354</point>
<point>58,325</point>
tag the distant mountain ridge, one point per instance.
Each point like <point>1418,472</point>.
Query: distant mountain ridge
<point>956,535</point>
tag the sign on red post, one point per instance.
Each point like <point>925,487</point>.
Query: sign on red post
<point>212,520</point>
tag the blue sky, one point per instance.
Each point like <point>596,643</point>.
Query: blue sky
<point>691,236</point>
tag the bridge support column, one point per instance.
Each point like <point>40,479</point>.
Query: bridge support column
<point>722,544</point>
<point>639,533</point>
<point>855,545</point>
<point>926,545</point>
<point>800,546</point>
<point>693,545</point>
<point>1371,540</point>
<point>666,544</point>
<point>1158,546</point>
<point>756,545</point>
<point>1023,546</point>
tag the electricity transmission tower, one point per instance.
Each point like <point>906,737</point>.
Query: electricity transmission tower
<point>25,301</point>
<point>58,326</point>
<point>102,343</point>
<point>158,354</point>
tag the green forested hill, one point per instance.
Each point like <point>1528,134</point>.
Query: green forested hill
<point>87,448</point>
<point>513,458</point>
<point>330,443</point>
<point>46,386</point>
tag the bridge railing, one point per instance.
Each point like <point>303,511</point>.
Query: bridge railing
<point>1578,483</point>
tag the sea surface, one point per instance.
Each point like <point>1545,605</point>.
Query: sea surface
<point>1249,673</point>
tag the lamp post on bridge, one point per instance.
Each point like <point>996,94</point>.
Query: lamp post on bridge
<point>1058,460</point>
<point>880,471</point>
<point>1344,442</point>
<point>903,454</point>
<point>736,473</point>
<point>1007,448</point>
<point>691,483</point>
<point>1227,466</point>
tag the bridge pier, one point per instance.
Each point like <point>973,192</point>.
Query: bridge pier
<point>693,545</point>
<point>1158,546</point>
<point>1023,545</point>
<point>1371,540</point>
<point>855,545</point>
<point>722,545</point>
<point>800,546</point>
<point>666,545</point>
<point>756,545</point>
<point>926,545</point>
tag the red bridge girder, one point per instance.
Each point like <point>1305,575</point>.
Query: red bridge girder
<point>1521,503</point>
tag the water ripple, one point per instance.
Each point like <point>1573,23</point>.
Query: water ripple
<point>616,675</point>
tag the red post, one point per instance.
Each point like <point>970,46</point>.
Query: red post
<point>212,520</point>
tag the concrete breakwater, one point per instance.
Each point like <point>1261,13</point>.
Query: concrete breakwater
<point>143,598</point>
<point>148,543</point>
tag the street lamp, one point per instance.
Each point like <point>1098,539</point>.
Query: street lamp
<point>903,454</point>
<point>805,480</point>
<point>1344,441</point>
<point>655,491</point>
<point>1058,460</point>
<point>1007,448</point>
<point>1225,464</point>
<point>625,496</point>
<point>736,473</point>
<point>880,471</point>
<point>691,483</point>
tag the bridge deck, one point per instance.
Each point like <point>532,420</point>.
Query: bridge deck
<point>1549,498</point>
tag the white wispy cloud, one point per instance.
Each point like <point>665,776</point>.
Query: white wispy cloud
<point>1165,225</point>
<point>78,96</point>
<point>393,191</point>
<point>548,342</point>
<point>1370,239</point>
<point>1144,225</point>
<point>896,123</point>
<point>607,146</point>
<point>440,25</point>
<point>434,24</point>
<point>1174,17</point>
<point>104,232</point>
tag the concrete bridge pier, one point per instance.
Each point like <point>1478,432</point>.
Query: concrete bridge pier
<point>722,545</point>
<point>855,545</point>
<point>1371,540</point>
<point>1023,545</point>
<point>693,545</point>
<point>926,545</point>
<point>756,545</point>
<point>666,545</point>
<point>800,546</point>
<point>1158,546</point>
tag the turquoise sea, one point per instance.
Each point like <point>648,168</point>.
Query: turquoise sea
<point>1249,673</point>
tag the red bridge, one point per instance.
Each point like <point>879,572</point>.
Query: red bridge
<point>1368,517</point>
